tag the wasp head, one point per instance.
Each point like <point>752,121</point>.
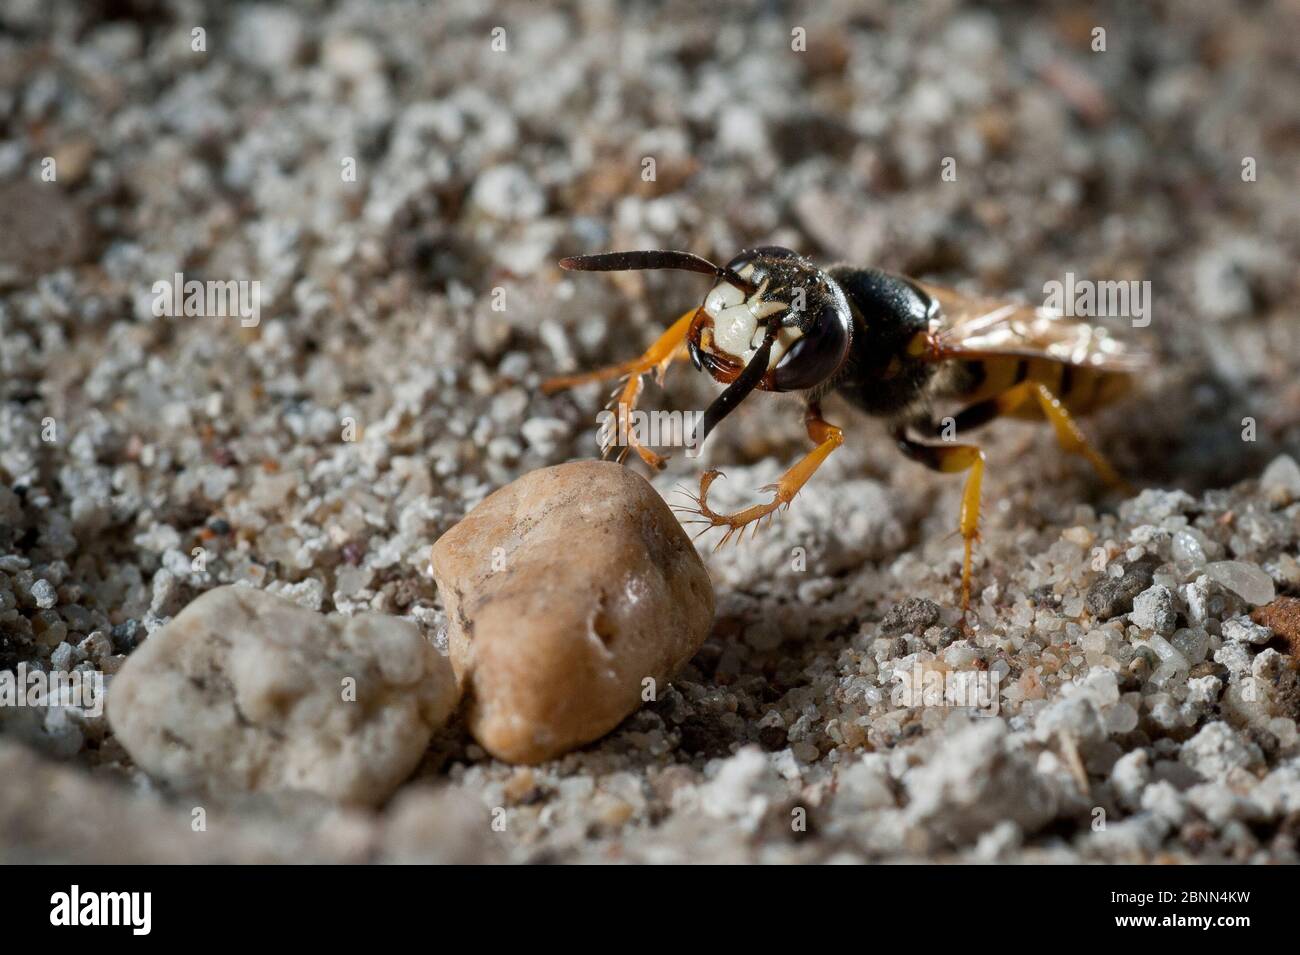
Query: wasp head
<point>772,320</point>
<point>781,292</point>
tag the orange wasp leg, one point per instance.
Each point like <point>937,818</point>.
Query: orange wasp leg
<point>953,459</point>
<point>825,435</point>
<point>670,346</point>
<point>1068,433</point>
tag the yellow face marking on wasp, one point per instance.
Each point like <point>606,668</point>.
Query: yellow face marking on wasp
<point>737,334</point>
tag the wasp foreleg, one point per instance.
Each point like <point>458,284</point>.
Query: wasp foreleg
<point>827,438</point>
<point>670,346</point>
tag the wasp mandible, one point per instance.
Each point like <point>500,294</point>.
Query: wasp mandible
<point>894,347</point>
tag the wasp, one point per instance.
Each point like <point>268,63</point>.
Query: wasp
<point>894,347</point>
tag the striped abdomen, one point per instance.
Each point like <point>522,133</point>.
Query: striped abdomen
<point>1082,389</point>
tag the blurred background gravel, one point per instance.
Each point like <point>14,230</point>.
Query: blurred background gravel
<point>476,169</point>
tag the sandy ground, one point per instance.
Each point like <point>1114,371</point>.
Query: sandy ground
<point>417,304</point>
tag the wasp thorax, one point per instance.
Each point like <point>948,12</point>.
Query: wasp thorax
<point>738,323</point>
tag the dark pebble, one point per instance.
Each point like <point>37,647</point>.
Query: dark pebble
<point>704,736</point>
<point>914,615</point>
<point>1110,596</point>
<point>772,738</point>
<point>126,636</point>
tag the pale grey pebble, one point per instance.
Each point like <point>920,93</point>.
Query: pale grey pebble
<point>508,192</point>
<point>998,842</point>
<point>1269,666</point>
<point>1279,792</point>
<point>1217,750</point>
<point>251,684</point>
<point>1153,505</point>
<point>1244,630</point>
<point>1129,776</point>
<point>63,657</point>
<point>1236,657</point>
<point>308,593</point>
<point>1153,609</point>
<point>545,434</point>
<point>1138,835</point>
<point>504,449</point>
<point>1222,285</point>
<point>743,789</point>
<point>1204,691</point>
<point>97,646</point>
<point>1282,476</point>
<point>975,780</point>
<point>1165,801</point>
<point>267,36</point>
<point>864,785</point>
<point>166,596</point>
<point>1217,803</point>
<point>1167,715</point>
<point>1197,597</point>
<point>1075,714</point>
<point>44,594</point>
<point>1191,547</point>
<point>1249,581</point>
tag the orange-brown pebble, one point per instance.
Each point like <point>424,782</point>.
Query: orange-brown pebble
<point>1282,616</point>
<point>566,592</point>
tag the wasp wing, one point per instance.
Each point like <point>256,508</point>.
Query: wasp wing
<point>972,327</point>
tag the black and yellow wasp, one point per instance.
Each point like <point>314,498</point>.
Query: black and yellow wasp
<point>894,347</point>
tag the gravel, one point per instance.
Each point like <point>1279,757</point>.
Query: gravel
<point>402,191</point>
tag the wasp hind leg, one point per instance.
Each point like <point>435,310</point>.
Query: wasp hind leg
<point>825,435</point>
<point>1072,439</point>
<point>953,459</point>
<point>670,346</point>
<point>1068,433</point>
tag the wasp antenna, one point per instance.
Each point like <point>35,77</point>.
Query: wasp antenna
<point>643,259</point>
<point>653,259</point>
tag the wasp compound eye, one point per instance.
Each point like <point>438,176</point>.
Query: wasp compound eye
<point>816,355</point>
